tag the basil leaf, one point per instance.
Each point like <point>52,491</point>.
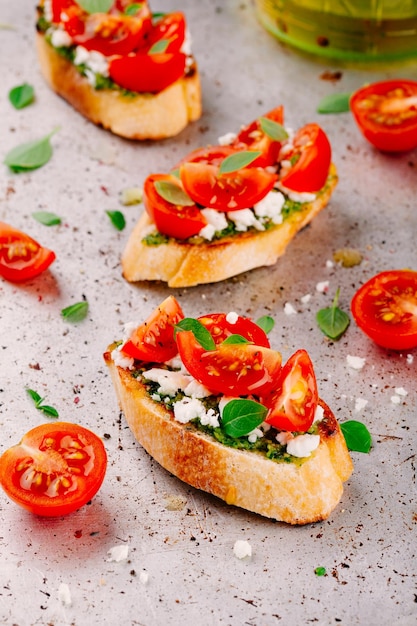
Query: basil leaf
<point>21,96</point>
<point>175,173</point>
<point>117,219</point>
<point>332,321</point>
<point>75,312</point>
<point>234,339</point>
<point>199,331</point>
<point>173,193</point>
<point>46,218</point>
<point>159,47</point>
<point>35,396</point>
<point>95,6</point>
<point>335,103</point>
<point>357,436</point>
<point>237,161</point>
<point>240,417</point>
<point>30,156</point>
<point>133,9</point>
<point>320,571</point>
<point>274,130</point>
<point>266,322</point>
<point>48,410</point>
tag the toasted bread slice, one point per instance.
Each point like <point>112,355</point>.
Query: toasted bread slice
<point>296,492</point>
<point>141,116</point>
<point>184,264</point>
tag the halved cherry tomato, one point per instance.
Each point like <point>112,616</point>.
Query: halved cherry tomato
<point>21,257</point>
<point>213,155</point>
<point>386,113</point>
<point>147,73</point>
<point>171,219</point>
<point>225,192</point>
<point>385,308</point>
<point>252,137</point>
<point>59,6</point>
<point>153,341</point>
<point>293,402</point>
<point>171,28</point>
<point>231,369</point>
<point>55,469</point>
<point>311,158</point>
<point>220,328</point>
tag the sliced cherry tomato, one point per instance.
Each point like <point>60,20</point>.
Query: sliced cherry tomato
<point>147,73</point>
<point>311,158</point>
<point>225,192</point>
<point>252,137</point>
<point>21,257</point>
<point>386,113</point>
<point>220,328</point>
<point>293,403</point>
<point>231,369</point>
<point>55,469</point>
<point>385,308</point>
<point>171,219</point>
<point>213,155</point>
<point>171,29</point>
<point>58,7</point>
<point>153,341</point>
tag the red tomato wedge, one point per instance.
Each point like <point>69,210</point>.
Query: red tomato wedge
<point>147,73</point>
<point>221,328</point>
<point>21,257</point>
<point>225,192</point>
<point>386,113</point>
<point>252,137</point>
<point>311,158</point>
<point>55,469</point>
<point>170,29</point>
<point>231,369</point>
<point>385,309</point>
<point>153,341</point>
<point>173,220</point>
<point>292,404</point>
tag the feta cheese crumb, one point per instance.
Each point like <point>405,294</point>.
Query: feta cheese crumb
<point>169,382</point>
<point>323,286</point>
<point>254,435</point>
<point>360,404</point>
<point>244,219</point>
<point>242,549</point>
<point>400,391</point>
<point>194,389</point>
<point>188,409</point>
<point>289,309</point>
<point>64,594</point>
<point>355,362</point>
<point>303,445</point>
<point>144,577</point>
<point>306,299</point>
<point>118,553</point>
<point>227,139</point>
<point>410,359</point>
<point>283,437</point>
<point>295,196</point>
<point>319,414</point>
<point>329,264</point>
<point>271,206</point>
<point>232,317</point>
<point>395,399</point>
<point>60,38</point>
<point>122,360</point>
<point>216,222</point>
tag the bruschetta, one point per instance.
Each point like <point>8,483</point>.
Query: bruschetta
<point>232,207</point>
<point>123,69</point>
<point>210,400</point>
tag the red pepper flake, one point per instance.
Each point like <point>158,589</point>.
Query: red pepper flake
<point>76,400</point>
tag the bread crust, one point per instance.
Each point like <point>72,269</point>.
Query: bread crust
<point>144,116</point>
<point>289,492</point>
<point>182,264</point>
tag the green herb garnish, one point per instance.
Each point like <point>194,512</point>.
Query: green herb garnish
<point>75,312</point>
<point>235,339</point>
<point>240,417</point>
<point>266,322</point>
<point>199,331</point>
<point>159,47</point>
<point>46,218</point>
<point>335,103</point>
<point>38,400</point>
<point>21,96</point>
<point>237,161</point>
<point>173,193</point>
<point>95,6</point>
<point>332,321</point>
<point>320,571</point>
<point>357,436</point>
<point>117,219</point>
<point>133,9</point>
<point>30,156</point>
<point>274,130</point>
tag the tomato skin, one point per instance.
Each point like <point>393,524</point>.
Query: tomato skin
<point>286,410</point>
<point>225,192</point>
<point>153,341</point>
<point>231,369</point>
<point>172,220</point>
<point>220,328</point>
<point>171,28</point>
<point>313,152</point>
<point>48,450</point>
<point>386,114</point>
<point>212,155</point>
<point>21,257</point>
<point>147,73</point>
<point>385,309</point>
<point>251,137</point>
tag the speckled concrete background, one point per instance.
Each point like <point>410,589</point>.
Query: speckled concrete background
<point>183,539</point>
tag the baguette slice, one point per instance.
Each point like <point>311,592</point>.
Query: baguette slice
<point>144,116</point>
<point>296,493</point>
<point>182,264</point>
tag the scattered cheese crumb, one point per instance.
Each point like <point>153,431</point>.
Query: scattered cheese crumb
<point>118,553</point>
<point>329,263</point>
<point>289,309</point>
<point>226,139</point>
<point>305,299</point>
<point>144,577</point>
<point>303,445</point>
<point>400,391</point>
<point>232,317</point>
<point>242,549</point>
<point>355,362</point>
<point>323,286</point>
<point>360,404</point>
<point>410,359</point>
<point>64,594</point>
<point>395,399</point>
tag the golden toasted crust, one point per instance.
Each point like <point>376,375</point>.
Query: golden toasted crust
<point>144,116</point>
<point>182,264</point>
<point>289,492</point>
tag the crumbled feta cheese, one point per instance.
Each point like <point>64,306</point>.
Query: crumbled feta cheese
<point>319,414</point>
<point>122,360</point>
<point>242,549</point>
<point>223,401</point>
<point>255,434</point>
<point>128,330</point>
<point>47,10</point>
<point>169,382</point>
<point>323,286</point>
<point>144,577</point>
<point>306,299</point>
<point>283,437</point>
<point>60,38</point>
<point>303,445</point>
<point>194,389</point>
<point>289,309</point>
<point>227,139</point>
<point>329,264</point>
<point>64,594</point>
<point>216,222</point>
<point>395,399</point>
<point>186,44</point>
<point>244,219</point>
<point>271,206</point>
<point>232,317</point>
<point>360,404</point>
<point>118,553</point>
<point>95,62</point>
<point>176,364</point>
<point>410,359</point>
<point>355,362</point>
<point>400,391</point>
<point>188,409</point>
<point>296,196</point>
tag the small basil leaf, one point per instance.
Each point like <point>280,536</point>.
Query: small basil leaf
<point>46,218</point>
<point>274,130</point>
<point>320,571</point>
<point>240,417</point>
<point>335,103</point>
<point>238,160</point>
<point>117,219</point>
<point>95,6</point>
<point>35,396</point>
<point>31,155</point>
<point>75,312</point>
<point>159,47</point>
<point>133,9</point>
<point>234,338</point>
<point>22,96</point>
<point>175,173</point>
<point>173,193</point>
<point>357,436</point>
<point>48,410</point>
<point>332,321</point>
<point>266,322</point>
<point>199,331</point>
